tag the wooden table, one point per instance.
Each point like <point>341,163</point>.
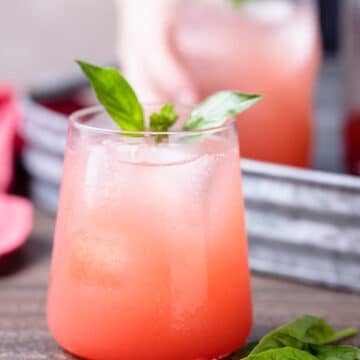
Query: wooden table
<point>23,283</point>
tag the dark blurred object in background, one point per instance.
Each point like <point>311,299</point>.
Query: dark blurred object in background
<point>351,98</point>
<point>329,18</point>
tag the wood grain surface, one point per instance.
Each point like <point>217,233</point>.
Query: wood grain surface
<point>23,283</point>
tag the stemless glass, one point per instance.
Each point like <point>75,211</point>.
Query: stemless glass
<point>271,47</point>
<point>150,252</point>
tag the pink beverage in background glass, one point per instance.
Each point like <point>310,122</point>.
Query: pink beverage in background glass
<point>270,47</point>
<point>150,252</point>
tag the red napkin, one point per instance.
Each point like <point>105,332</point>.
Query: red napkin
<point>16,214</point>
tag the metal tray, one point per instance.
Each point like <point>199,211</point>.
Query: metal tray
<point>302,224</point>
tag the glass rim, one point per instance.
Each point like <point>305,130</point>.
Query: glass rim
<point>75,121</point>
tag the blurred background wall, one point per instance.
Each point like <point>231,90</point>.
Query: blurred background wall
<point>40,38</point>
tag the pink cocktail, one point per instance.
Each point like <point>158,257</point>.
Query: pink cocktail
<point>150,253</point>
<point>270,47</point>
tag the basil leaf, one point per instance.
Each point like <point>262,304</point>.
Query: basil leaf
<point>218,108</point>
<point>116,95</point>
<point>163,120</point>
<point>300,333</point>
<point>335,352</point>
<point>286,353</point>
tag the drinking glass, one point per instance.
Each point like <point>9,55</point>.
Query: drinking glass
<point>150,251</point>
<point>270,47</point>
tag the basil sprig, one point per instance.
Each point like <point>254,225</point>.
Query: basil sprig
<point>122,104</point>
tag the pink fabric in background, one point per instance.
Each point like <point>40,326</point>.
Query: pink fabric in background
<point>16,214</point>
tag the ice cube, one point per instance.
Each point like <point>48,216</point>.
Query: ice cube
<point>95,164</point>
<point>181,187</point>
<point>124,151</point>
<point>163,154</point>
<point>97,176</point>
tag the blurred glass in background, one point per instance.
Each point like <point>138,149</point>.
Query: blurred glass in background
<point>269,47</point>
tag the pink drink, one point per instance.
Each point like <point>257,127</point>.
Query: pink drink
<point>150,256</point>
<point>269,47</point>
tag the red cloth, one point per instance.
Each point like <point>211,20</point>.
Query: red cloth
<point>16,215</point>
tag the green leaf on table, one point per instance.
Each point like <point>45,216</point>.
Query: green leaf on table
<point>285,353</point>
<point>163,120</point>
<point>300,333</point>
<point>116,95</point>
<point>217,109</point>
<point>331,352</point>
